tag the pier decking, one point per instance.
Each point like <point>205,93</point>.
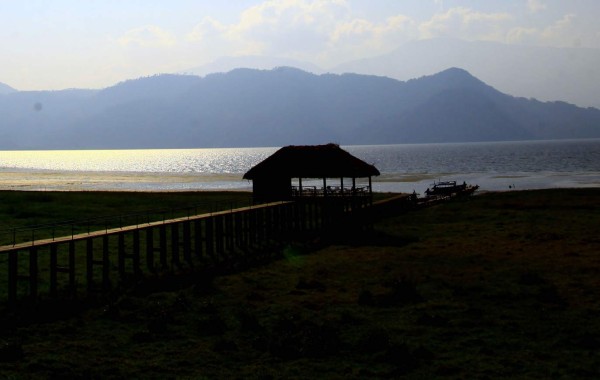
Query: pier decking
<point>109,259</point>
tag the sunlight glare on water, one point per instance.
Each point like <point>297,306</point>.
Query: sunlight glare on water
<point>229,160</point>
<point>404,168</point>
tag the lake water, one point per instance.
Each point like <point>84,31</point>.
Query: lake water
<point>404,168</point>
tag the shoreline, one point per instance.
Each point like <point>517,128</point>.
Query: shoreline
<point>184,182</point>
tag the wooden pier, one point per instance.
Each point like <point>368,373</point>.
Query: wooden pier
<point>111,259</point>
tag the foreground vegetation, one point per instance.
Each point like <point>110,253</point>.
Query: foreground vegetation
<point>30,214</point>
<point>497,285</point>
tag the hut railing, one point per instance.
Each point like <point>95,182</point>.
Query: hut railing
<point>339,191</point>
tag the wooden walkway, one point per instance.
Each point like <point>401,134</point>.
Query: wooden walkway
<point>106,259</point>
<point>110,259</point>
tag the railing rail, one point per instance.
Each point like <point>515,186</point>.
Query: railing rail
<point>18,235</point>
<point>102,259</point>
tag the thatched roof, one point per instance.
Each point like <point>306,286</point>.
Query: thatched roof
<point>312,161</point>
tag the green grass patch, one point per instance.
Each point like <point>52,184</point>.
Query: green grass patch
<point>38,215</point>
<point>499,285</point>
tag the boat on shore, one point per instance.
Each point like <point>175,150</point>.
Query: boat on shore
<point>449,189</point>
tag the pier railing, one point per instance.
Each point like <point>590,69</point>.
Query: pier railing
<point>24,234</point>
<point>112,258</point>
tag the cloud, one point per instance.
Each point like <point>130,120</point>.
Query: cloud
<point>357,36</point>
<point>147,36</point>
<point>535,6</point>
<point>465,23</point>
<point>559,33</point>
<point>328,32</point>
<point>290,28</point>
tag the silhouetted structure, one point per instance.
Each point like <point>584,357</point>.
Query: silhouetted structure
<point>272,179</point>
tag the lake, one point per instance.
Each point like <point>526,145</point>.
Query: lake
<point>404,168</point>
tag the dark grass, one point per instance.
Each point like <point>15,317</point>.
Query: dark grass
<point>27,215</point>
<point>500,285</point>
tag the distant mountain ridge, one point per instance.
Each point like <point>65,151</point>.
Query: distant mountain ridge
<point>283,106</point>
<point>545,73</point>
<point>6,89</point>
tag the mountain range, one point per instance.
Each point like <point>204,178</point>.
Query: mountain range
<point>282,106</point>
<point>569,74</point>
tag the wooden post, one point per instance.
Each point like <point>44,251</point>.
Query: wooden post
<point>121,255</point>
<point>72,268</point>
<point>198,238</point>
<point>229,232</point>
<point>175,244</point>
<point>218,220</point>
<point>268,223</point>
<point>105,263</point>
<point>246,229</point>
<point>162,230</point>
<point>33,272</point>
<point>136,252</point>
<point>260,225</point>
<point>150,249</point>
<point>239,230</point>
<point>53,270</point>
<point>370,192</point>
<point>210,235</point>
<point>13,274</point>
<point>276,220</point>
<point>252,227</point>
<point>187,243</point>
<point>90,264</point>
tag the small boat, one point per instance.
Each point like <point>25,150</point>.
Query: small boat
<point>449,188</point>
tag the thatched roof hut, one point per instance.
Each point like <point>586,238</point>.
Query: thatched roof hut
<point>272,178</point>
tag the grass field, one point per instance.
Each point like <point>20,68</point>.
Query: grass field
<point>27,214</point>
<point>499,285</point>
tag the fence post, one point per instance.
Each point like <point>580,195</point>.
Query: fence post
<point>187,244</point>
<point>13,274</point>
<point>53,270</point>
<point>198,238</point>
<point>90,264</point>
<point>33,272</point>
<point>136,252</point>
<point>150,249</point>
<point>72,266</point>
<point>175,243</point>
<point>105,263</point>
<point>121,254</point>
<point>163,245</point>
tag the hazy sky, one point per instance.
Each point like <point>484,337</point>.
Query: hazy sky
<point>57,44</point>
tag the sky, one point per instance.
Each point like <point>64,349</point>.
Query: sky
<point>59,44</point>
